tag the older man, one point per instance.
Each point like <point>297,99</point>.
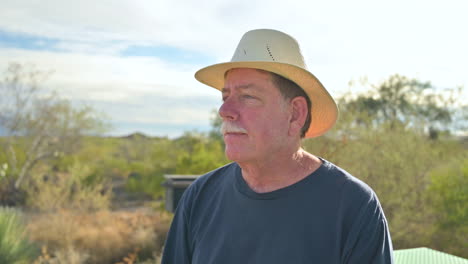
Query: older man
<point>276,203</point>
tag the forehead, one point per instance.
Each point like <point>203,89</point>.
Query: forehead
<point>245,78</point>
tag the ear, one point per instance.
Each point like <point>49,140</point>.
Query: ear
<point>298,115</point>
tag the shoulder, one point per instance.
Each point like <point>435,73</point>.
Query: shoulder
<point>355,195</point>
<point>365,234</point>
<point>350,184</point>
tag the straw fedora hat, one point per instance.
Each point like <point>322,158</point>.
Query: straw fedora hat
<point>277,52</point>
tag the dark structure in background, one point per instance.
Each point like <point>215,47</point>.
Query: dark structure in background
<point>175,186</point>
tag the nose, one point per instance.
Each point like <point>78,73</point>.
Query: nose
<point>228,110</point>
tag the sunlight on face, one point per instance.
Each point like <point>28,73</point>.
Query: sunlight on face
<point>255,116</point>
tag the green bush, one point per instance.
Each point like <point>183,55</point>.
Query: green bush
<point>15,247</point>
<point>148,183</point>
<point>448,193</point>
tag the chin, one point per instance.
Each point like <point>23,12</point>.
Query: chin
<point>231,156</point>
<point>235,154</point>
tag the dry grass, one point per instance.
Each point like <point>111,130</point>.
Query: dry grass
<point>100,237</point>
<point>49,190</point>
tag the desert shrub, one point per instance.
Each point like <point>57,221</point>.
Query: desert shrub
<point>53,190</point>
<point>65,255</point>
<point>147,183</point>
<point>448,194</point>
<point>103,237</point>
<point>199,154</point>
<point>155,260</point>
<point>15,248</point>
<point>9,195</point>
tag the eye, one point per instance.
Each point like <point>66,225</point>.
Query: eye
<point>224,97</point>
<point>246,96</point>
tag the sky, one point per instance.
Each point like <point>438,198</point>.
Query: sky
<point>135,60</point>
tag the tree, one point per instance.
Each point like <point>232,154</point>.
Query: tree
<point>38,124</point>
<point>401,101</point>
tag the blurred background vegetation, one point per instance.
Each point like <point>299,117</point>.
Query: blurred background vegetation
<point>86,198</point>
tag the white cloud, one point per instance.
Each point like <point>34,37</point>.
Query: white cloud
<point>131,89</point>
<point>337,28</point>
<point>107,73</point>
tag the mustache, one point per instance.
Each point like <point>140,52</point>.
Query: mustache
<point>229,127</point>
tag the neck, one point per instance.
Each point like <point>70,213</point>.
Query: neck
<point>279,171</point>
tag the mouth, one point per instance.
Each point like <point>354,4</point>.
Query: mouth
<point>234,134</point>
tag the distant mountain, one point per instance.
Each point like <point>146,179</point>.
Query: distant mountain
<point>136,135</point>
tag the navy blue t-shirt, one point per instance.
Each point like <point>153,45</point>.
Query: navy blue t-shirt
<point>327,217</point>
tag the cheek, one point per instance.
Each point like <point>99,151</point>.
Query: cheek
<point>270,126</point>
<point>265,123</point>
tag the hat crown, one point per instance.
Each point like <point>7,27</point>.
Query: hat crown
<point>269,45</point>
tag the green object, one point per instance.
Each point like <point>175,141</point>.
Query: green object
<point>426,256</point>
<point>15,248</point>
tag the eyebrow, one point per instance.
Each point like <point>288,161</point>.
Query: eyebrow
<point>242,87</point>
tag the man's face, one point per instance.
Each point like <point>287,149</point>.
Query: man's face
<point>255,116</point>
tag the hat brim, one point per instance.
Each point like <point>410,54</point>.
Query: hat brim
<point>324,111</point>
